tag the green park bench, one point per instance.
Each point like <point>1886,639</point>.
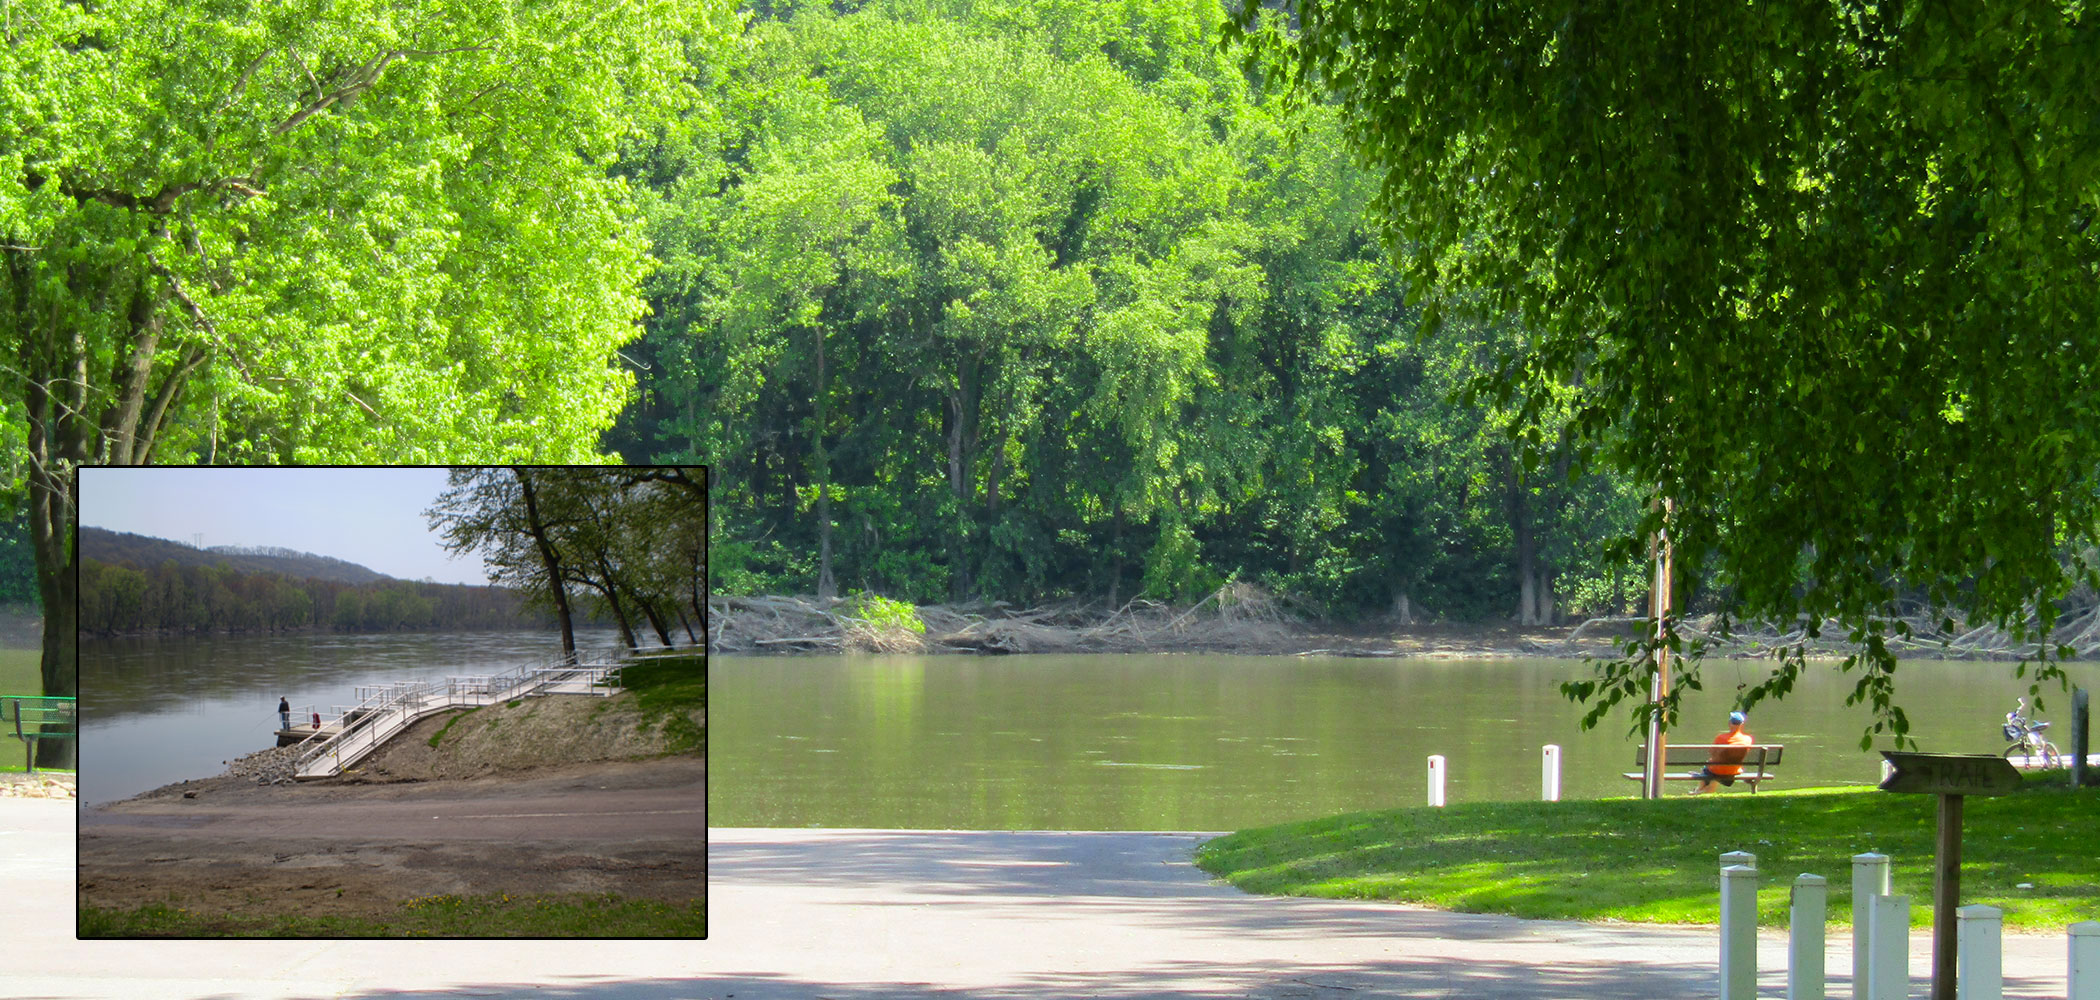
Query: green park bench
<point>35,718</point>
<point>1756,765</point>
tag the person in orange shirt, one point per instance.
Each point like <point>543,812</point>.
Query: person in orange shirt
<point>1723,765</point>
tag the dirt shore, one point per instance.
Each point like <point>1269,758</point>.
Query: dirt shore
<point>548,796</point>
<point>633,828</point>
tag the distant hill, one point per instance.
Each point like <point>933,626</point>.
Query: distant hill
<point>141,552</point>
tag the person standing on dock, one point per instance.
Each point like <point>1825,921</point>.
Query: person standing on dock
<point>284,713</point>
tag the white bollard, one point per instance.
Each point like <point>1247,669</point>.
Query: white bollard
<point>1804,946</point>
<point>1549,779</point>
<point>1979,972</point>
<point>1436,780</point>
<point>1870,878</point>
<point>1744,858</point>
<point>2085,960</point>
<point>1738,933</point>
<point>1888,944</point>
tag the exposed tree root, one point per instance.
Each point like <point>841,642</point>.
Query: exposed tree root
<point>2078,629</point>
<point>1235,615</point>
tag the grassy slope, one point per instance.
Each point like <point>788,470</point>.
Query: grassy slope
<point>669,689</point>
<point>1657,861</point>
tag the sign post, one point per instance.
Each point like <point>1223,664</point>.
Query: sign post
<point>1949,776</point>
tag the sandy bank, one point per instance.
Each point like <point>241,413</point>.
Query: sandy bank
<point>545,796</point>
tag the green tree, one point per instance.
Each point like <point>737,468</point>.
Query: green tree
<point>624,535</point>
<point>967,298</point>
<point>1820,273</point>
<point>317,232</point>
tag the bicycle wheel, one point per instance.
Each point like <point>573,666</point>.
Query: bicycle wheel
<point>2024,756</point>
<point>2051,759</point>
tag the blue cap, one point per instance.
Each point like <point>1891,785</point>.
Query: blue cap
<point>1736,718</point>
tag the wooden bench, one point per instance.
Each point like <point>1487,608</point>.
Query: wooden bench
<point>1757,763</point>
<point>34,718</point>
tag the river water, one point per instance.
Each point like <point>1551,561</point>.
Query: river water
<point>1203,742</point>
<point>156,711</point>
<point>1098,742</point>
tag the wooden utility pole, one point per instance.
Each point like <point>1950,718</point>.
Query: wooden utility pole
<point>1652,778</point>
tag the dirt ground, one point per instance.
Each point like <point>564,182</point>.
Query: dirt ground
<point>555,795</point>
<point>635,828</point>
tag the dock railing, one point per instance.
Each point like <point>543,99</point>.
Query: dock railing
<point>386,709</point>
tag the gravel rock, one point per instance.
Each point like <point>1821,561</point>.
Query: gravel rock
<point>273,766</point>
<point>41,785</point>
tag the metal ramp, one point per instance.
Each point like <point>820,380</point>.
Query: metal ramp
<point>385,710</point>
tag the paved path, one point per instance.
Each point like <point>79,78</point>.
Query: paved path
<point>871,915</point>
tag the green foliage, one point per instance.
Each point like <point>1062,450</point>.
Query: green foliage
<point>1174,569</point>
<point>1021,301</point>
<point>1653,861</point>
<point>317,232</point>
<point>272,234</point>
<point>17,562</point>
<point>1826,282</point>
<point>631,543</point>
<point>884,614</point>
<point>118,599</point>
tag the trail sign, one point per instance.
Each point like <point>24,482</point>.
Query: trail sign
<point>1949,776</point>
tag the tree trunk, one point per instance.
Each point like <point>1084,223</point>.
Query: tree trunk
<point>827,586</point>
<point>1527,557</point>
<point>655,615</point>
<point>611,589</point>
<point>957,487</point>
<point>50,530</point>
<point>550,560</point>
<point>57,444</point>
<point>1403,613</point>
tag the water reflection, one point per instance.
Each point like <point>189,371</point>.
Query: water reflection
<point>155,711</point>
<point>1220,742</point>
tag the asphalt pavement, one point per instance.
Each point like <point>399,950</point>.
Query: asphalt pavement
<point>879,914</point>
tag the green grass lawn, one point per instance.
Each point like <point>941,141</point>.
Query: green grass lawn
<point>668,689</point>
<point>427,916</point>
<point>1658,861</point>
<point>19,674</point>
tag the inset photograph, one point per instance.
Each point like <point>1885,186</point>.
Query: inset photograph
<point>393,702</point>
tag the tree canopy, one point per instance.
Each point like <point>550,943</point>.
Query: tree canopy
<point>1822,273</point>
<point>631,540</point>
<point>317,232</point>
<point>980,300</point>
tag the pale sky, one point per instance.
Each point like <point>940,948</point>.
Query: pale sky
<point>369,516</point>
